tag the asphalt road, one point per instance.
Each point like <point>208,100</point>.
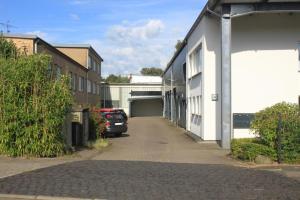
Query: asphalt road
<point>154,161</point>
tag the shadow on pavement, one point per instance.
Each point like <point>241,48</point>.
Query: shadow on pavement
<point>150,180</point>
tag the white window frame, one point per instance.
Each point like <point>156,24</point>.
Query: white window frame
<point>196,60</point>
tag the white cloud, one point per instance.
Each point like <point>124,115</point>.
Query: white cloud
<point>130,46</point>
<point>74,17</point>
<point>150,29</point>
<point>45,36</point>
<point>79,2</point>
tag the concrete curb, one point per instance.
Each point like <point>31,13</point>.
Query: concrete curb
<point>40,197</point>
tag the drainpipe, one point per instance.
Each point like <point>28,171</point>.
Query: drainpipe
<point>226,116</point>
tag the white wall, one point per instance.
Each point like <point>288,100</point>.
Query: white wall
<point>208,83</point>
<point>265,62</point>
<point>122,94</point>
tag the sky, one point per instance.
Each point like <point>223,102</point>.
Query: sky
<point>128,34</point>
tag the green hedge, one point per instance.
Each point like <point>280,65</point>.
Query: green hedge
<point>278,127</point>
<point>249,149</point>
<point>33,105</point>
<point>278,135</point>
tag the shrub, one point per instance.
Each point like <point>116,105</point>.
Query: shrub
<point>97,124</point>
<point>249,149</point>
<point>33,107</point>
<point>279,128</point>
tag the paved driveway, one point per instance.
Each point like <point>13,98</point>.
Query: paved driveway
<point>154,161</point>
<point>155,139</point>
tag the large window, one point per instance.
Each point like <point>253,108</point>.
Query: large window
<point>195,61</point>
<point>89,86</point>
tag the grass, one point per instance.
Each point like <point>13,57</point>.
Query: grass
<point>99,144</point>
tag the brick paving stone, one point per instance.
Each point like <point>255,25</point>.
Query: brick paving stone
<point>151,180</point>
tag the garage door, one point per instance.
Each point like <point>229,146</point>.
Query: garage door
<point>146,107</point>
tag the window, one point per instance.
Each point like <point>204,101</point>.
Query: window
<point>58,72</point>
<point>299,57</point>
<point>90,62</point>
<point>74,80</point>
<point>71,80</point>
<point>81,84</point>
<point>94,88</point>
<point>195,61</point>
<point>89,86</point>
<point>184,71</point>
<point>99,68</point>
<point>94,65</point>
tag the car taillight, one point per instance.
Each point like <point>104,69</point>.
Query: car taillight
<point>107,123</point>
<point>108,116</point>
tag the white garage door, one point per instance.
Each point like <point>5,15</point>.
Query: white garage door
<point>146,107</point>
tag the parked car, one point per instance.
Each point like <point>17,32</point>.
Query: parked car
<point>118,110</point>
<point>115,123</point>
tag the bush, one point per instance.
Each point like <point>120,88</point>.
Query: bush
<point>97,124</point>
<point>33,107</point>
<point>249,149</point>
<point>279,128</point>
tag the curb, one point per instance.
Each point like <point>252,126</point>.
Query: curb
<point>41,197</point>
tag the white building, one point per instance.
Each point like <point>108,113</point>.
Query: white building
<point>137,100</point>
<point>242,56</point>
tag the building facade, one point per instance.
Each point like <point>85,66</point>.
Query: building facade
<point>89,58</point>
<point>242,56</point>
<point>174,89</point>
<point>136,99</point>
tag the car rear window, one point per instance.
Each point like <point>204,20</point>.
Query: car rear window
<point>114,116</point>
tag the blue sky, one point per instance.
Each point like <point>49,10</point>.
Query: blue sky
<point>128,34</point>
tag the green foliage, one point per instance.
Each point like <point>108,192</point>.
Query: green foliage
<point>178,45</point>
<point>266,126</point>
<point>116,79</point>
<point>249,149</point>
<point>97,124</point>
<point>152,71</point>
<point>33,107</point>
<point>7,49</point>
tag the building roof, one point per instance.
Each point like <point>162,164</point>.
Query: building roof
<point>38,39</point>
<point>85,46</point>
<point>25,36</point>
<point>145,79</point>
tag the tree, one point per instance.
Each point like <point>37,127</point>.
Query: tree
<point>178,45</point>
<point>116,79</point>
<point>152,71</point>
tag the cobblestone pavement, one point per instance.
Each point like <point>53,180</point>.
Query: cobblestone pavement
<point>154,160</point>
<point>150,180</point>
